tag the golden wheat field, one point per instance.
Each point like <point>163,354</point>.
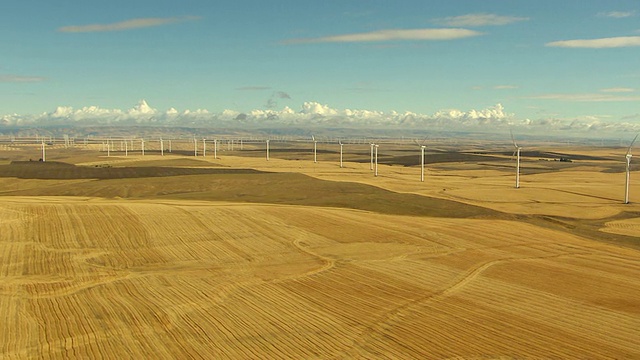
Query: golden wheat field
<point>176,257</point>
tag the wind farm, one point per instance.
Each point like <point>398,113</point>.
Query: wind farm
<point>304,253</point>
<point>320,180</point>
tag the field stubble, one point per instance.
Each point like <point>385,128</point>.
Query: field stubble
<point>205,273</point>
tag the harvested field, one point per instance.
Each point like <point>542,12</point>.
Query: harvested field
<point>287,259</point>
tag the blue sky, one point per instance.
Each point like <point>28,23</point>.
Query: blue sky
<point>540,59</point>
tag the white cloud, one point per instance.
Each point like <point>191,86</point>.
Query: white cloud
<point>127,25</point>
<point>142,109</point>
<point>494,114</point>
<point>584,126</point>
<point>618,90</point>
<point>612,42</point>
<point>197,112</point>
<point>391,35</point>
<point>317,109</point>
<point>10,78</point>
<point>480,19</point>
<point>617,14</point>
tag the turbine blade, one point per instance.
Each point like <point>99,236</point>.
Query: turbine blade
<point>634,140</point>
<point>513,139</point>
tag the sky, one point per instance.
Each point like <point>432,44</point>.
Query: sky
<point>559,62</point>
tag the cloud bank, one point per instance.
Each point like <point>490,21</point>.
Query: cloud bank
<point>126,25</point>
<point>391,35</point>
<point>316,115</point>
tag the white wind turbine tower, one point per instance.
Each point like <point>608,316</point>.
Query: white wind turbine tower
<point>516,152</point>
<point>372,146</point>
<point>43,152</point>
<point>422,147</point>
<point>267,149</point>
<point>204,147</point>
<point>315,148</point>
<point>215,148</point>
<point>195,146</point>
<point>142,146</point>
<point>161,147</point>
<point>126,150</point>
<point>628,159</point>
<point>376,172</point>
<point>341,153</point>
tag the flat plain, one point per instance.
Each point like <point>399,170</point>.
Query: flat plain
<point>237,257</point>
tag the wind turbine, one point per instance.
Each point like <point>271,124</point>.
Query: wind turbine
<point>43,152</point>
<point>341,153</point>
<point>516,152</point>
<point>204,147</point>
<point>371,166</point>
<point>195,146</point>
<point>161,147</point>
<point>126,150</point>
<point>422,147</point>
<point>142,146</point>
<point>315,148</point>
<point>628,159</point>
<point>376,173</point>
<point>215,148</point>
<point>267,149</point>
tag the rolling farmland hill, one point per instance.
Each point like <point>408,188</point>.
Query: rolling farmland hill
<point>238,258</point>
